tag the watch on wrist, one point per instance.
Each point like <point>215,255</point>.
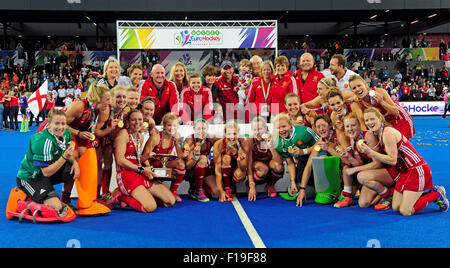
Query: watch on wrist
<point>140,170</point>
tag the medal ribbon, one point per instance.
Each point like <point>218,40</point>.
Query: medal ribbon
<point>266,94</point>
<point>94,119</point>
<point>138,146</point>
<point>380,135</point>
<point>359,137</point>
<point>61,143</point>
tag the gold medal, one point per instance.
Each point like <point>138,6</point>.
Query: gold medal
<point>72,144</point>
<point>265,136</point>
<point>290,150</point>
<point>371,92</point>
<point>339,148</point>
<point>299,119</point>
<point>240,151</point>
<point>126,109</point>
<point>186,146</point>
<point>317,148</point>
<point>120,124</point>
<point>92,137</point>
<point>145,125</point>
<point>360,142</point>
<point>198,143</point>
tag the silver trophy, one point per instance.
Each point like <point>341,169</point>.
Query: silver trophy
<point>164,172</point>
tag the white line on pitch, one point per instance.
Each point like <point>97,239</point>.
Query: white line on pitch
<point>251,231</point>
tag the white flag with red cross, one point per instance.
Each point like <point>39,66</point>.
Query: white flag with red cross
<point>37,99</point>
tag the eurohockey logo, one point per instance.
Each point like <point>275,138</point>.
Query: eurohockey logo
<point>186,59</point>
<point>183,38</point>
<point>198,37</point>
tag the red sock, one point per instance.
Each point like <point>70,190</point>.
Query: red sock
<point>226,174</point>
<point>65,197</point>
<point>273,177</point>
<point>344,193</point>
<point>99,188</point>
<point>159,202</point>
<point>388,193</point>
<point>199,176</point>
<point>132,203</point>
<point>178,179</point>
<point>106,180</point>
<point>256,178</point>
<point>424,200</point>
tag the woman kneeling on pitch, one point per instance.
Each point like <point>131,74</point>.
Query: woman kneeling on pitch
<point>50,160</point>
<point>318,105</point>
<point>263,165</point>
<point>230,160</point>
<point>198,164</point>
<point>325,146</point>
<point>166,143</point>
<point>395,114</point>
<point>358,162</point>
<point>340,109</point>
<point>414,186</point>
<point>294,144</point>
<point>292,103</point>
<point>136,187</point>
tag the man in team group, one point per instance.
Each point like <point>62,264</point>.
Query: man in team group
<point>338,71</point>
<point>163,92</point>
<point>307,78</point>
<point>227,94</point>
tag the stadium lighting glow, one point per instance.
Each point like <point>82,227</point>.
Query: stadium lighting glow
<point>373,17</point>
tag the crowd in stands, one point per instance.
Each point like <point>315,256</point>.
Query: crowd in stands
<point>336,47</point>
<point>68,77</point>
<point>58,44</point>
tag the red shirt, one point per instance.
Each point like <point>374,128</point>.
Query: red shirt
<point>49,104</point>
<point>167,102</point>
<point>14,101</point>
<point>308,91</point>
<point>83,122</point>
<point>6,103</point>
<point>405,90</point>
<point>2,95</point>
<point>407,156</point>
<point>130,153</point>
<point>424,91</point>
<point>258,94</point>
<point>227,92</point>
<point>197,104</point>
<point>280,88</point>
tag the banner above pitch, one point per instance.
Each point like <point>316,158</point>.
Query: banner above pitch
<point>193,35</point>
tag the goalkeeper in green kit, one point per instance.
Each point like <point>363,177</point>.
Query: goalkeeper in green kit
<point>294,145</point>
